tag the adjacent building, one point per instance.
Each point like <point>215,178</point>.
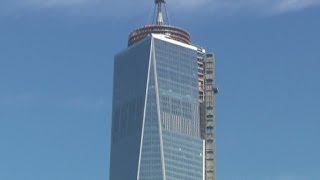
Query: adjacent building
<point>163,119</point>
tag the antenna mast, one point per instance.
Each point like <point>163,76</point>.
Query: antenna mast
<point>159,20</point>
<point>160,25</point>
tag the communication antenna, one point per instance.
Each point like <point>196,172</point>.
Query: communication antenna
<point>160,25</point>
<point>159,14</point>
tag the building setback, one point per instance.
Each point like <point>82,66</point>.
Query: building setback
<point>163,119</point>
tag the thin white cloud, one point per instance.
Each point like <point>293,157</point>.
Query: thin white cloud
<point>275,177</point>
<point>293,5</point>
<point>287,177</point>
<point>124,8</point>
<point>86,103</point>
<point>25,100</point>
<point>264,7</point>
<point>51,3</point>
<point>16,99</point>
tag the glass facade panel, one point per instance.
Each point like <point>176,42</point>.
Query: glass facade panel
<point>177,72</point>
<point>130,81</point>
<point>151,166</point>
<point>140,144</point>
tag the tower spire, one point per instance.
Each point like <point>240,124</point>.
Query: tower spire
<point>159,14</point>
<point>160,25</point>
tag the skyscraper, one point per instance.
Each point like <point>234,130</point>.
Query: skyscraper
<point>163,106</point>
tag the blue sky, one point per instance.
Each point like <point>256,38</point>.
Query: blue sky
<point>56,66</point>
